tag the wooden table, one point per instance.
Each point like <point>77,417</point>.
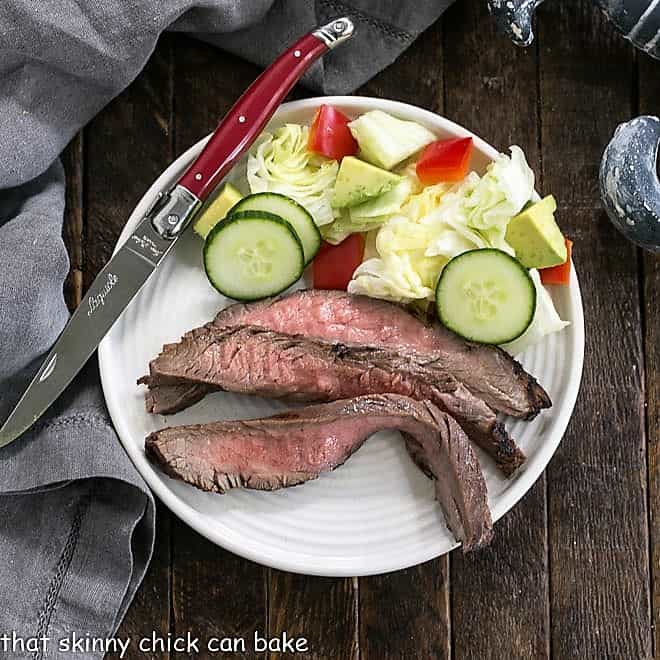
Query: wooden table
<point>573,570</point>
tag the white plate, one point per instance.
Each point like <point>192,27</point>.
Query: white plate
<point>374,514</point>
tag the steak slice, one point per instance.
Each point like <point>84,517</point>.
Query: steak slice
<point>170,399</point>
<point>487,371</point>
<point>294,447</point>
<point>252,360</point>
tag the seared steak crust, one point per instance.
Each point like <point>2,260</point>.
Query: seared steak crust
<point>252,360</point>
<point>294,447</point>
<point>487,371</point>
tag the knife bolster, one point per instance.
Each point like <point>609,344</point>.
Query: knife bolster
<point>173,211</point>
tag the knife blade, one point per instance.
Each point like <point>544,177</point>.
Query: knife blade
<point>156,234</point>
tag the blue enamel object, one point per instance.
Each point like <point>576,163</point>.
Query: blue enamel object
<point>629,185</point>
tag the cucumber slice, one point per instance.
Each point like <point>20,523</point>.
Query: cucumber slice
<point>288,209</point>
<point>252,255</point>
<point>486,296</point>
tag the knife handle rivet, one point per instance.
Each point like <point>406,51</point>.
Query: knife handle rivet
<point>198,177</point>
<point>172,218</point>
<point>241,119</point>
<point>296,53</point>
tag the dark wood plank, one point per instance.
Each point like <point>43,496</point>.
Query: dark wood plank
<point>649,103</point>
<point>126,147</point>
<point>72,230</point>
<point>215,593</point>
<point>321,610</point>
<point>652,352</point>
<point>598,533</point>
<point>406,614</point>
<point>490,87</point>
<point>499,596</point>
<point>207,81</point>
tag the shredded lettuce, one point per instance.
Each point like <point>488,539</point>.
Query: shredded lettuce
<point>546,320</point>
<point>425,201</point>
<point>500,194</point>
<point>281,163</point>
<point>480,208</point>
<point>392,277</point>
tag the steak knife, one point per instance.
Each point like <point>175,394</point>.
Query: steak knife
<point>164,222</point>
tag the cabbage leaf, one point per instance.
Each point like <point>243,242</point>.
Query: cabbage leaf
<point>281,163</point>
<point>546,320</point>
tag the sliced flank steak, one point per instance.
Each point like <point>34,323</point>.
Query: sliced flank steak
<point>487,371</point>
<point>252,360</point>
<point>297,446</point>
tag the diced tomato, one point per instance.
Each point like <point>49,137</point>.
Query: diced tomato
<point>334,264</point>
<point>329,134</point>
<point>444,160</point>
<point>559,274</point>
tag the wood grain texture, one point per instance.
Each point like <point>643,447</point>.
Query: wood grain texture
<point>406,614</point>
<point>72,231</point>
<point>598,536</point>
<point>649,103</point>
<point>207,82</point>
<point>322,610</point>
<point>126,146</point>
<point>501,593</point>
<point>490,86</point>
<point>652,353</point>
<point>215,593</point>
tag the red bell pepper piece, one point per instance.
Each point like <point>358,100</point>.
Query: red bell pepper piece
<point>559,274</point>
<point>444,160</point>
<point>334,265</point>
<point>329,134</point>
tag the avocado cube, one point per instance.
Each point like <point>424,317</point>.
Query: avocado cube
<point>216,209</point>
<point>535,236</point>
<point>358,181</point>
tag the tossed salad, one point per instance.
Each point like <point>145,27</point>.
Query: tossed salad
<point>381,207</point>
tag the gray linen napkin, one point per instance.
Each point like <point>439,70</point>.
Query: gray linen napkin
<point>76,519</point>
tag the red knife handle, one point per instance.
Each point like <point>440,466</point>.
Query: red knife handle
<point>246,119</point>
